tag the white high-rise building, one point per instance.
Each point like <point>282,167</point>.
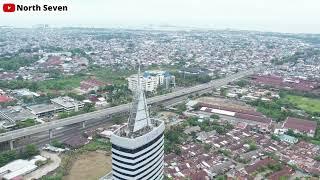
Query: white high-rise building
<point>151,80</point>
<point>137,148</point>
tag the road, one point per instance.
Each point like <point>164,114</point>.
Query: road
<point>60,134</point>
<point>88,117</point>
<point>44,170</point>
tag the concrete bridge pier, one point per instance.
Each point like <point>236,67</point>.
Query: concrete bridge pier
<point>50,135</point>
<point>11,144</point>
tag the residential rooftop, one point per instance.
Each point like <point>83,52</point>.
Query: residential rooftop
<point>301,125</point>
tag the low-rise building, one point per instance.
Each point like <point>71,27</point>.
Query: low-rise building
<point>11,115</point>
<point>25,93</point>
<point>5,99</point>
<point>67,103</point>
<point>288,139</point>
<point>90,85</point>
<point>45,110</point>
<point>19,167</point>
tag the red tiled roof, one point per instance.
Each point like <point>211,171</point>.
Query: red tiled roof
<point>253,118</point>
<point>201,175</point>
<point>297,84</point>
<point>285,172</point>
<point>17,178</point>
<point>4,99</point>
<point>85,86</point>
<point>253,167</point>
<point>301,125</point>
<point>54,60</point>
<point>91,83</point>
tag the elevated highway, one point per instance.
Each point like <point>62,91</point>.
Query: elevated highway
<point>86,118</point>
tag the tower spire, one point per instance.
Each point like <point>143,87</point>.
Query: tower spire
<point>139,83</point>
<point>139,115</point>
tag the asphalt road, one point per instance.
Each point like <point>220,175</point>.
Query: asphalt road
<point>60,134</point>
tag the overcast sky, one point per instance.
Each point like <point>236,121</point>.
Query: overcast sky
<point>298,16</point>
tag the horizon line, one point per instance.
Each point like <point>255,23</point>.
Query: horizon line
<point>151,27</point>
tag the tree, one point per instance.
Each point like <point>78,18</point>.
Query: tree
<point>57,144</point>
<point>252,146</point>
<point>177,150</point>
<point>181,108</point>
<point>26,123</point>
<point>229,126</point>
<point>173,137</point>
<point>207,147</point>
<point>275,167</point>
<point>88,107</point>
<point>188,80</point>
<point>15,62</point>
<point>20,78</point>
<point>192,121</point>
<point>167,178</point>
<point>30,150</point>
<point>290,132</point>
<point>220,129</point>
<point>63,115</point>
<point>6,104</point>
<point>223,91</point>
<point>221,177</point>
<point>76,96</point>
<point>271,109</point>
<point>2,131</point>
<point>275,137</point>
<point>215,116</point>
<point>118,119</point>
<point>242,83</point>
<point>224,152</point>
<point>7,156</point>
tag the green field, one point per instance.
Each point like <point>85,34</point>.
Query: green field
<point>304,103</point>
<point>110,75</point>
<point>64,83</point>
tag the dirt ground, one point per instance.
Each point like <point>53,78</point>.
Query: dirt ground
<point>225,103</point>
<point>90,166</point>
<point>167,116</point>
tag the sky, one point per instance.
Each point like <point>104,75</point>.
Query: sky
<point>292,16</point>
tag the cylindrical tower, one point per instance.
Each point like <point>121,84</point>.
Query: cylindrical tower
<point>140,157</point>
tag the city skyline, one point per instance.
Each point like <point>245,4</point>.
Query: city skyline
<point>206,104</point>
<point>285,16</point>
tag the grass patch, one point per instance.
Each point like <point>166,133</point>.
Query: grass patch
<point>26,123</point>
<point>316,142</point>
<point>97,144</point>
<point>65,83</point>
<point>109,75</point>
<point>304,103</point>
<point>118,76</point>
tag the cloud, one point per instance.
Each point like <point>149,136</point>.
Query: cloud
<point>269,15</point>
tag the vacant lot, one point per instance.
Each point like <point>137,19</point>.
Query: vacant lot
<point>304,103</point>
<point>222,102</point>
<point>90,166</point>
